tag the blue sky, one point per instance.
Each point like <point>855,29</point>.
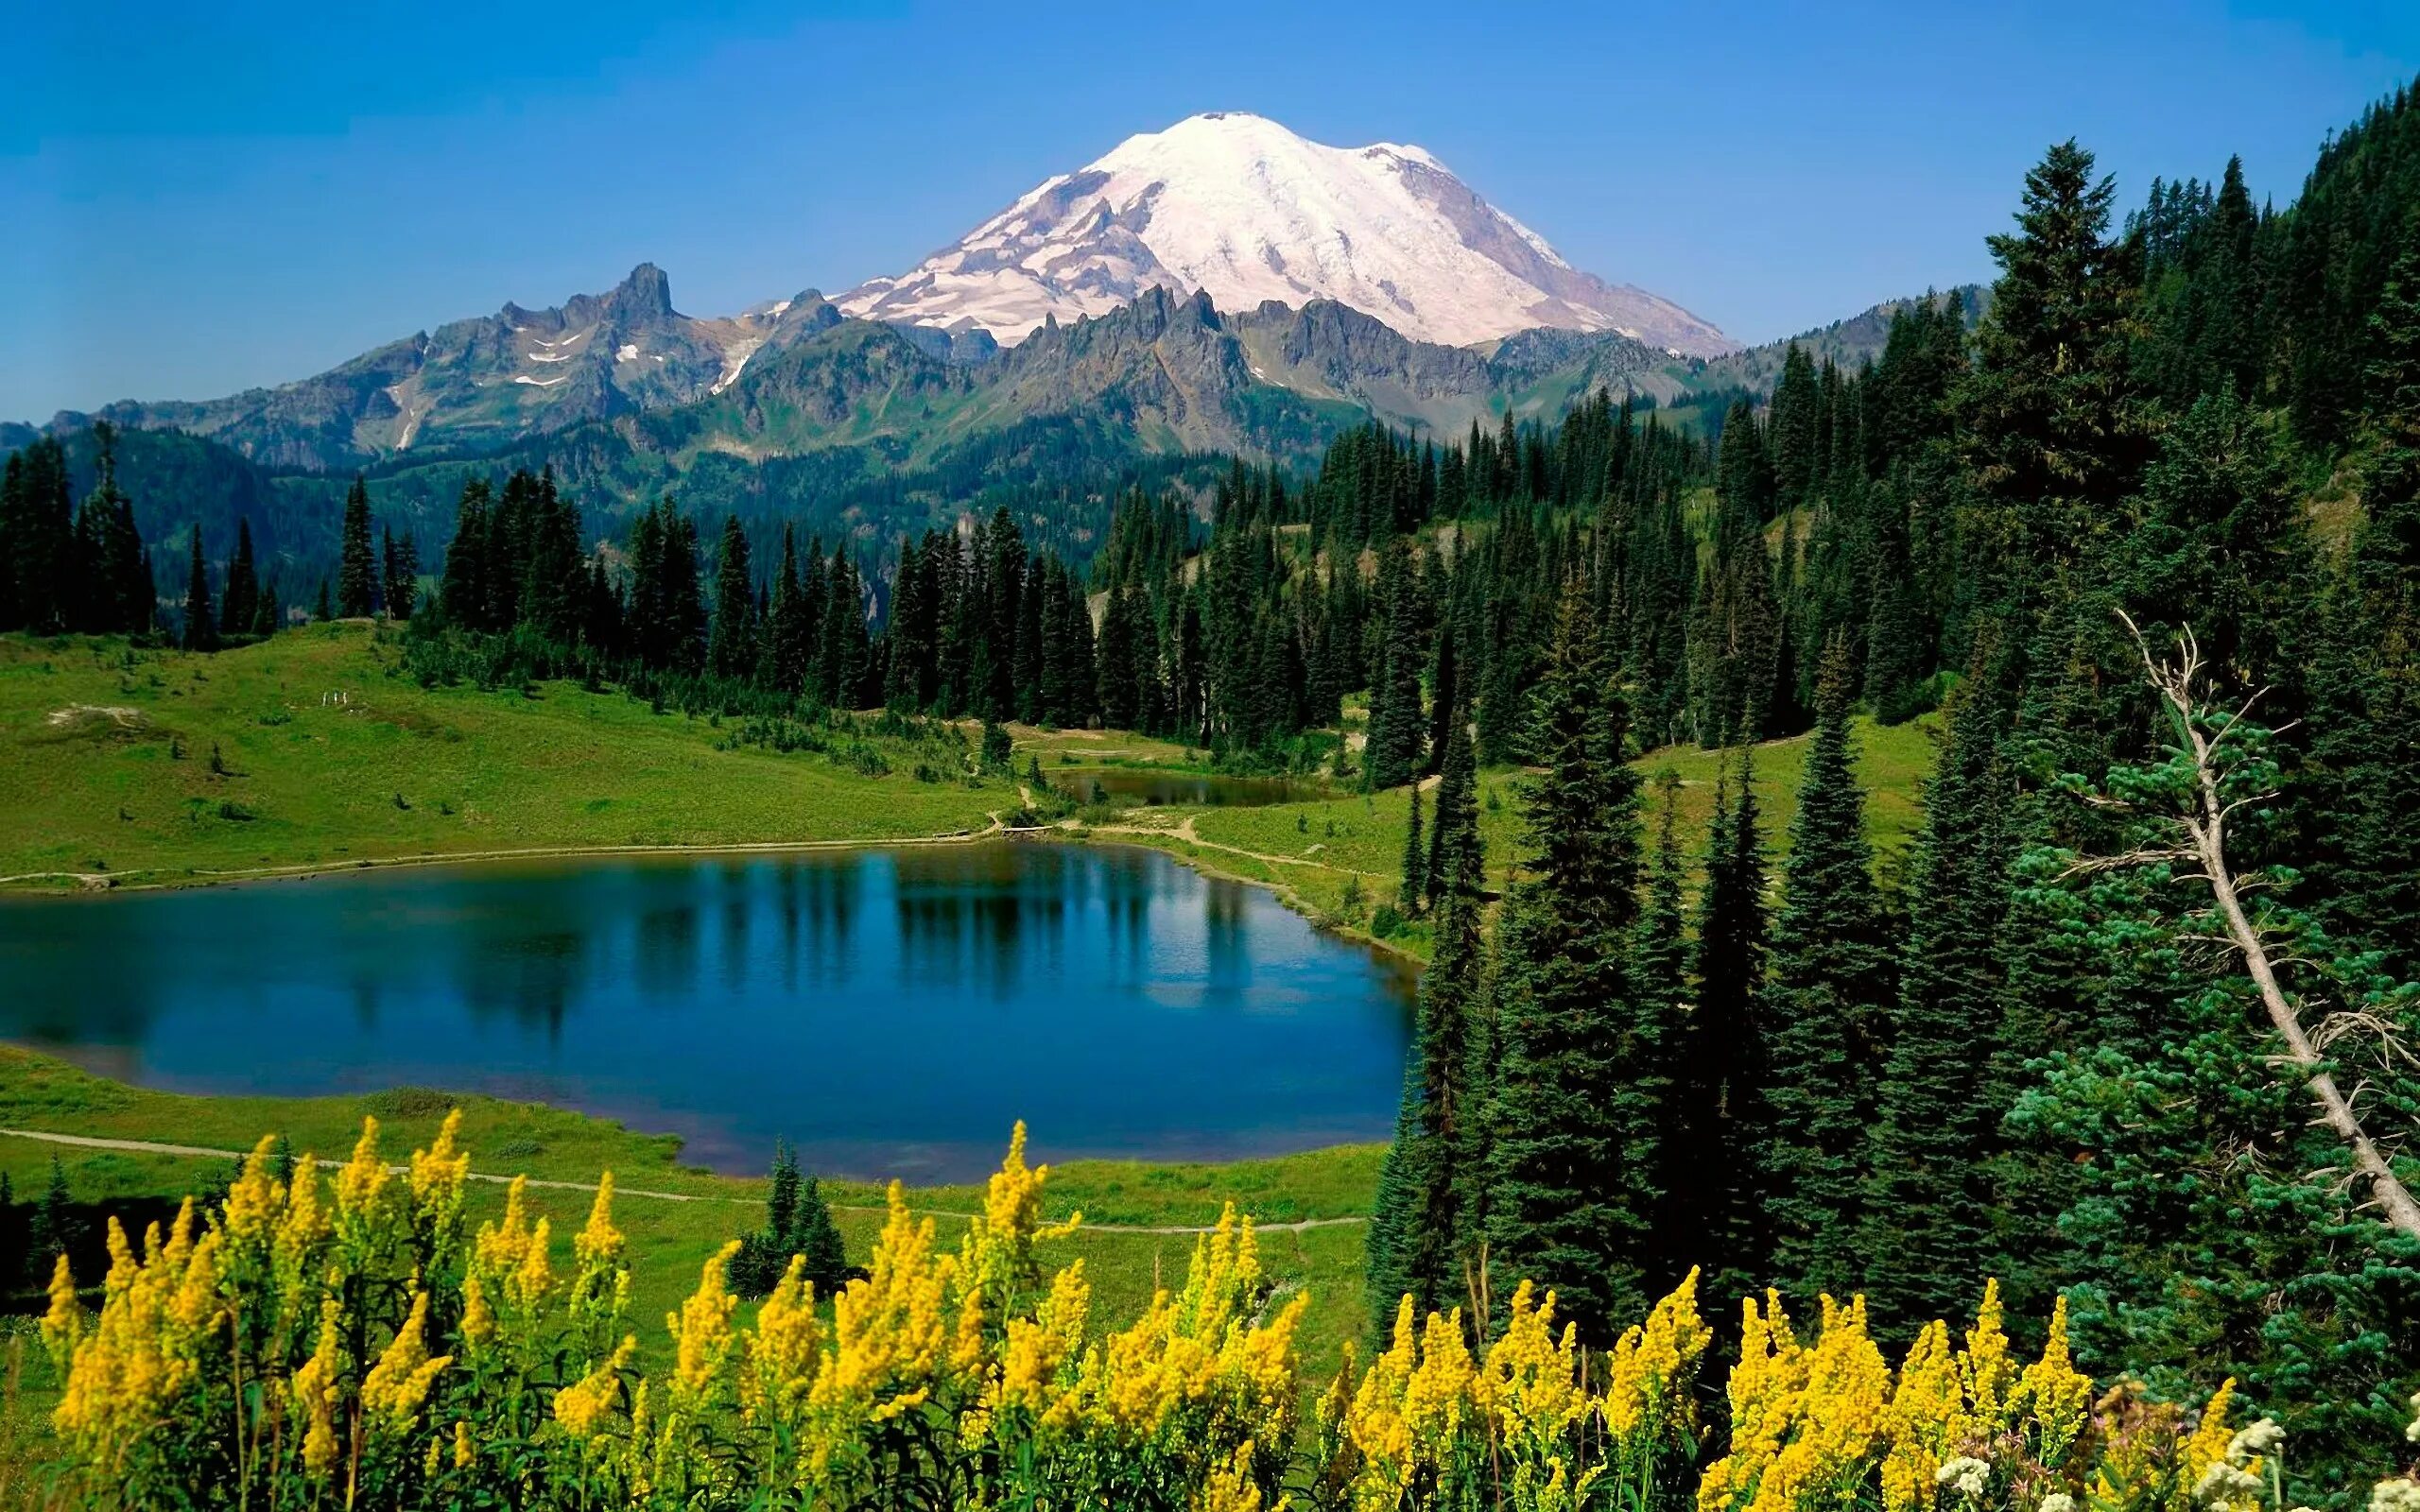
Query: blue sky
<point>194,203</point>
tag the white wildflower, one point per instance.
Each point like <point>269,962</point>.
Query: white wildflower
<point>2395,1496</point>
<point>1968,1474</point>
<point>2057,1501</point>
<point>2255,1440</point>
<point>2413,1433</point>
<point>2223,1487</point>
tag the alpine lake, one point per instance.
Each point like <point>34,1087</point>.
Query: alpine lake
<point>889,1011</point>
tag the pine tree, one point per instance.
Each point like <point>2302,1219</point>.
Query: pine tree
<point>817,1238</point>
<point>781,1198</point>
<point>1661,957</point>
<point>201,626</point>
<point>1424,1231</point>
<point>1581,1083</point>
<point>320,611</point>
<point>1453,835</point>
<point>401,573</point>
<point>1831,978</point>
<point>2050,424</point>
<point>239,607</point>
<point>1935,1123</point>
<point>358,569</point>
<point>54,1231</point>
<point>732,651</point>
<point>1414,886</point>
<point>1719,1112</point>
<point>1392,755</point>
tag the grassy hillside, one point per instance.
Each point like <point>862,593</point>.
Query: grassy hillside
<point>1314,851</point>
<point>328,756</point>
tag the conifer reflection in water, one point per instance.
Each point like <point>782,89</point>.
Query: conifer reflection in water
<point>889,1011</point>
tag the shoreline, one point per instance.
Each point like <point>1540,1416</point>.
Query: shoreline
<point>1178,845</point>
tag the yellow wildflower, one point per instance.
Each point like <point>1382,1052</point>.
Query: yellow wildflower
<point>1230,1487</point>
<point>702,1330</point>
<point>1039,1348</point>
<point>465,1454</point>
<point>1925,1421</point>
<point>392,1394</point>
<point>582,1406</point>
<point>1651,1368</point>
<point>63,1325</point>
<point>2053,1394</point>
<point>438,1174</point>
<point>2205,1448</point>
<point>314,1394</point>
<point>1985,1369</point>
<point>598,1244</point>
<point>785,1347</point>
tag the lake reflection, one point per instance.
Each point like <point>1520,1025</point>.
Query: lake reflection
<point>891,1012</point>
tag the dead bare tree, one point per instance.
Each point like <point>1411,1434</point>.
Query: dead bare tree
<point>2201,846</point>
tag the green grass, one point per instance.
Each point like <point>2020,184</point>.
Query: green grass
<point>1310,849</point>
<point>331,757</point>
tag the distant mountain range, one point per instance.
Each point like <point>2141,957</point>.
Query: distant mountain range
<point>1222,287</point>
<point>1370,278</point>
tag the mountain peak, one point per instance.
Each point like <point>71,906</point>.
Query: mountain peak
<point>1236,205</point>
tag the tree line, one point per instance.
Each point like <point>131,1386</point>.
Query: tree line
<point>2027,1058</point>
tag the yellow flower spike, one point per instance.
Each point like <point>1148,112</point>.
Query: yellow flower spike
<point>464,1455</point>
<point>478,1318</point>
<point>392,1394</point>
<point>63,1325</point>
<point>701,1329</point>
<point>530,1281</point>
<point>361,1187</point>
<point>436,1178</point>
<point>598,1244</point>
<point>1926,1423</point>
<point>1651,1368</point>
<point>887,1329</point>
<point>584,1406</point>
<point>1985,1367</point>
<point>2053,1396</point>
<point>1229,1486</point>
<point>2206,1446</point>
<point>784,1349</point>
<point>313,1390</point>
<point>124,1267</point>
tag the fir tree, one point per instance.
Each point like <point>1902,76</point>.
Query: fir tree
<point>1453,834</point>
<point>1425,1232</point>
<point>732,651</point>
<point>358,569</point>
<point>1831,974</point>
<point>1935,1122</point>
<point>400,559</point>
<point>1414,886</point>
<point>239,606</point>
<point>201,626</point>
<point>1718,1116</point>
<point>1580,1084</point>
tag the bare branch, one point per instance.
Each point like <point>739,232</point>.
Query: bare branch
<point>2176,682</point>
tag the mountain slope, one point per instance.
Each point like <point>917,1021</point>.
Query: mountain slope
<point>1239,207</point>
<point>487,381</point>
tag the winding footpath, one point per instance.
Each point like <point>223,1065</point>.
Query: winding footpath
<point>208,1152</point>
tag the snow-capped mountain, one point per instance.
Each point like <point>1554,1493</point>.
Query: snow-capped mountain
<point>1239,207</point>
